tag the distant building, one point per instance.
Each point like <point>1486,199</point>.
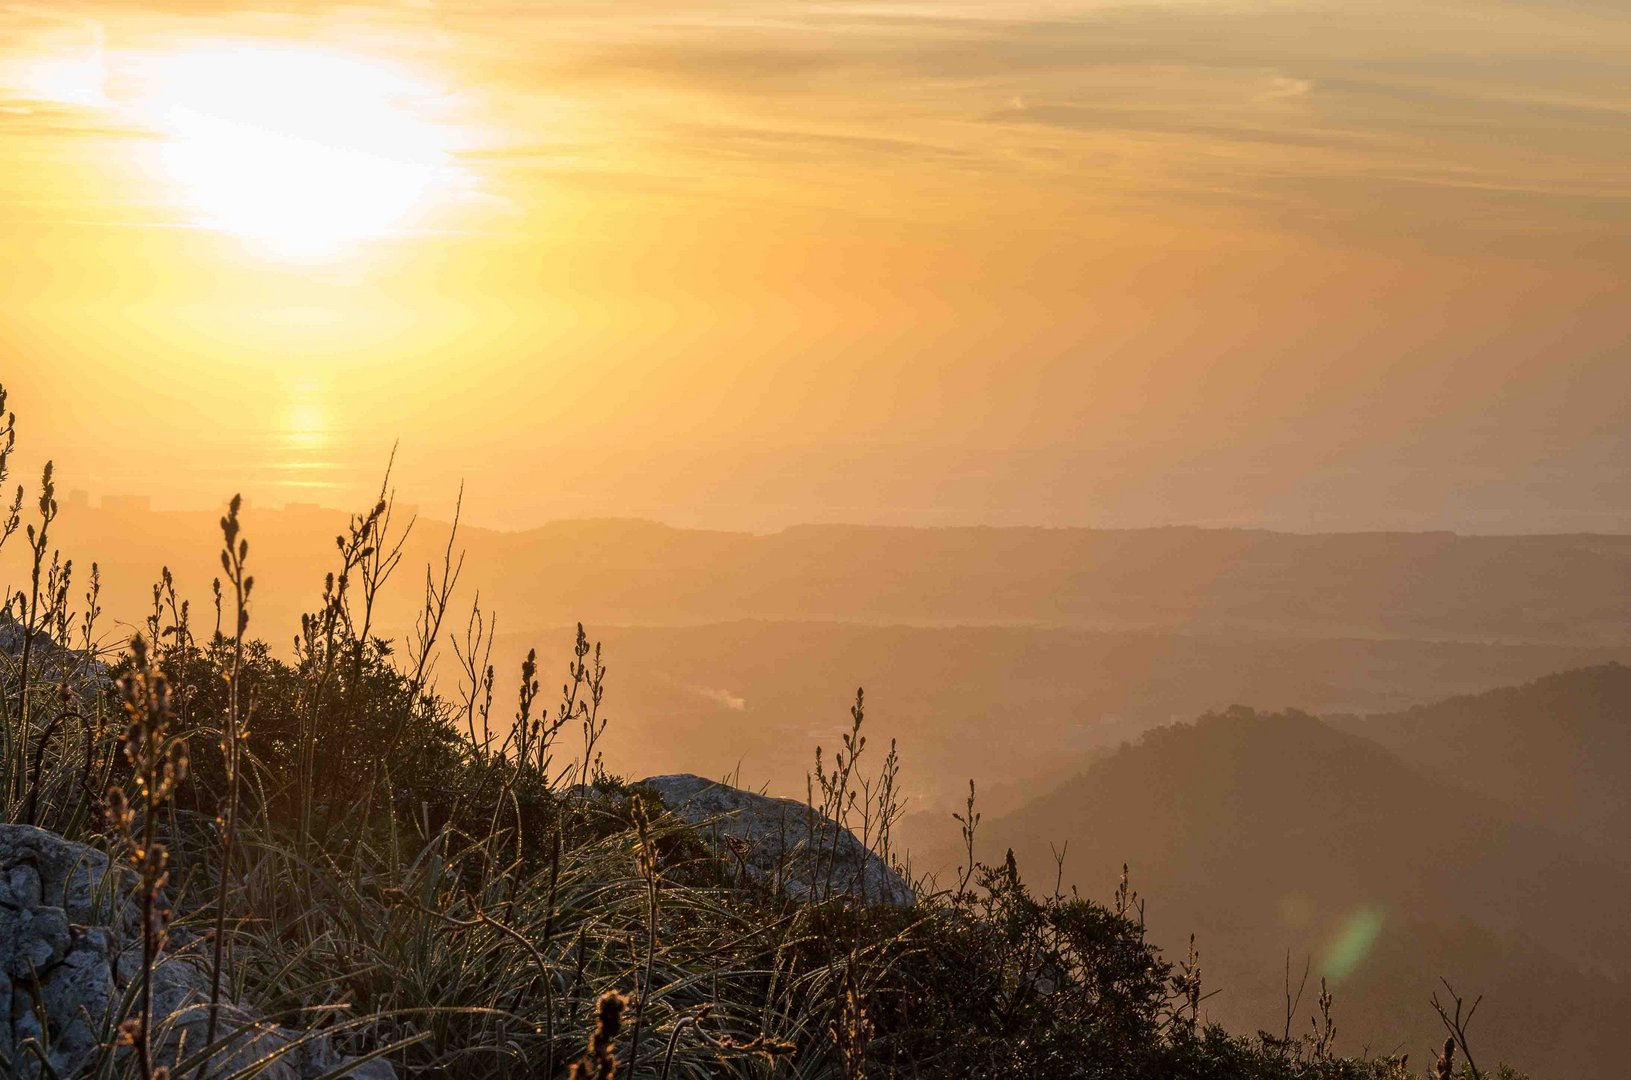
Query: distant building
<point>127,504</point>
<point>79,499</point>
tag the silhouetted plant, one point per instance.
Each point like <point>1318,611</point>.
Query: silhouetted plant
<point>158,765</point>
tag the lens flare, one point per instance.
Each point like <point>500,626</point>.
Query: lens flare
<point>1352,944</point>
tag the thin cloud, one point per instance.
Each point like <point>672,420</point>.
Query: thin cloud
<point>1166,106</point>
<point>721,696</point>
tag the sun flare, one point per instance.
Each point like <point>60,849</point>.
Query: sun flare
<point>303,153</point>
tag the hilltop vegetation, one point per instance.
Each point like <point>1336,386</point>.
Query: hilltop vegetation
<point>464,910</point>
<point>435,879</point>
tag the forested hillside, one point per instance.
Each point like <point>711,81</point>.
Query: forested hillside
<point>1276,836</point>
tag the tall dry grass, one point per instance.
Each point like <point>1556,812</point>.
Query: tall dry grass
<point>417,879</point>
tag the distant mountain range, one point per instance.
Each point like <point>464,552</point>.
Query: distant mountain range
<point>1456,843</point>
<point>1422,586</point>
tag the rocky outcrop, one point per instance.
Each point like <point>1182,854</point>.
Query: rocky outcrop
<point>781,844</point>
<point>50,664</point>
<point>70,953</point>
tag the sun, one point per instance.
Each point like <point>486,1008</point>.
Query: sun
<point>301,152</point>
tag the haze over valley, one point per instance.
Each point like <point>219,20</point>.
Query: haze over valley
<point>1440,820</point>
<point>834,539</point>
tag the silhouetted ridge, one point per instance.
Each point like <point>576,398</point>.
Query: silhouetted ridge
<point>1557,749</point>
<point>1269,833</point>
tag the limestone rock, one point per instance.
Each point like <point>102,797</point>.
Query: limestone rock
<point>70,950</point>
<point>49,663</point>
<point>781,844</point>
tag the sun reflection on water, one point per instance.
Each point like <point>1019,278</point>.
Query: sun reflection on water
<point>305,426</point>
<point>304,437</point>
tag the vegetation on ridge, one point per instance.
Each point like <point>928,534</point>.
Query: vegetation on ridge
<point>424,875</point>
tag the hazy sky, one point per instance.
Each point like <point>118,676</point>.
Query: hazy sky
<point>1318,265</point>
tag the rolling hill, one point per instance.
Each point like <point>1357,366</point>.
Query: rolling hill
<point>1276,835</point>
<point>1557,749</point>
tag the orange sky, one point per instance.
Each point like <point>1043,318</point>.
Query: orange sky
<point>1300,264</point>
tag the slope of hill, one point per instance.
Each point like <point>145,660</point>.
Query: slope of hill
<point>1269,834</point>
<point>762,694</point>
<point>1557,750</point>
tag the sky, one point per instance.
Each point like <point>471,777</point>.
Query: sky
<point>1305,265</point>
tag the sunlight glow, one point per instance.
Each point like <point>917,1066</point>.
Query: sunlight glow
<point>304,153</point>
<point>66,80</point>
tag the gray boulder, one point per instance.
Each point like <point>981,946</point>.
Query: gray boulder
<point>781,844</point>
<point>49,663</point>
<point>70,952</point>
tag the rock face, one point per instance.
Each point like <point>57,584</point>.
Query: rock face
<point>781,844</point>
<point>70,949</point>
<point>49,662</point>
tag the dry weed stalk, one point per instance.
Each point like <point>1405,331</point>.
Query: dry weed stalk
<point>599,1061</point>
<point>29,609</point>
<point>969,821</point>
<point>1456,1018</point>
<point>158,762</point>
<point>851,1031</point>
<point>234,734</point>
<point>645,857</point>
